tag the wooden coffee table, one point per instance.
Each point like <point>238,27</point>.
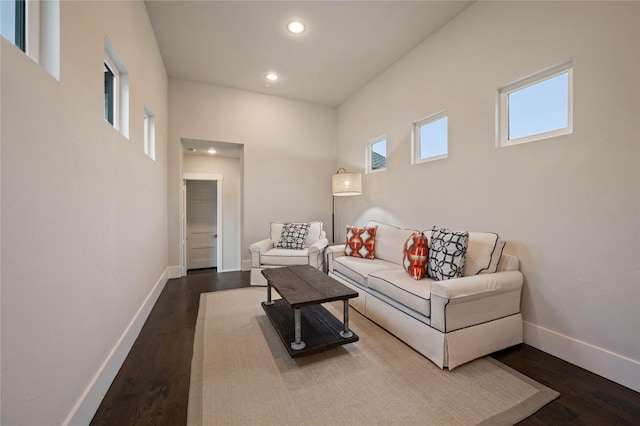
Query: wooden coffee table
<point>305,326</point>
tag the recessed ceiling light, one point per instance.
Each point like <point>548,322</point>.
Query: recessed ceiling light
<point>272,76</point>
<point>296,27</point>
<point>192,149</point>
<point>211,151</point>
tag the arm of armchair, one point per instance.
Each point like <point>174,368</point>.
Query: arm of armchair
<point>257,249</point>
<point>316,252</point>
<point>466,301</point>
<point>332,252</point>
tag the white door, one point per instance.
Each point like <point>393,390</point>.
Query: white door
<point>202,221</point>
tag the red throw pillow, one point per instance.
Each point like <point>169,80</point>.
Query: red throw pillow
<point>415,255</point>
<point>360,242</point>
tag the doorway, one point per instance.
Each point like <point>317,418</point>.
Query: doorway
<point>202,224</point>
<point>202,235</point>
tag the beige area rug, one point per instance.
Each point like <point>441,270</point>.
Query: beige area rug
<point>241,374</point>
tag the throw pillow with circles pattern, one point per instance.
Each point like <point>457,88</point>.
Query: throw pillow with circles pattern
<point>447,254</point>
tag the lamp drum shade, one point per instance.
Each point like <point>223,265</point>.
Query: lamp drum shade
<point>346,184</point>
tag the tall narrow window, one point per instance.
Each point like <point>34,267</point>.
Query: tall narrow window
<point>13,22</point>
<point>116,90</point>
<point>109,94</point>
<point>376,155</point>
<point>537,107</point>
<point>430,138</point>
<point>149,133</point>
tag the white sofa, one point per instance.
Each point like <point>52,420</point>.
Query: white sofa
<point>450,322</point>
<point>266,254</point>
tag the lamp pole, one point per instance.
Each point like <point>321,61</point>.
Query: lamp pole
<point>333,218</point>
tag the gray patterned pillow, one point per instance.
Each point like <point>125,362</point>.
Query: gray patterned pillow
<point>294,236</point>
<point>447,254</point>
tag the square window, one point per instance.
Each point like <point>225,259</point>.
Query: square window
<point>376,154</point>
<point>430,138</point>
<point>538,107</point>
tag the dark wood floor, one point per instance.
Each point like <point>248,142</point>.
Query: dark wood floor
<point>152,386</point>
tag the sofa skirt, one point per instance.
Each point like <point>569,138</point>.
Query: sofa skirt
<point>443,349</point>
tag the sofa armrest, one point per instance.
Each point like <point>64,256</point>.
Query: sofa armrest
<point>478,285</point>
<point>467,301</point>
<point>333,252</point>
<point>257,249</point>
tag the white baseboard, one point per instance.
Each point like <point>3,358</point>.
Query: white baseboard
<point>174,272</point>
<point>602,362</point>
<point>90,400</point>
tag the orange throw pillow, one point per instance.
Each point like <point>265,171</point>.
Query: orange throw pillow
<point>361,242</point>
<point>415,255</point>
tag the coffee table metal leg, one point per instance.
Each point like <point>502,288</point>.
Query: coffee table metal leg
<point>269,302</point>
<point>346,333</point>
<point>298,344</point>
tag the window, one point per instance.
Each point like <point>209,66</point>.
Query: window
<point>149,123</point>
<point>537,107</point>
<point>13,22</point>
<point>116,90</point>
<point>34,27</point>
<point>430,138</point>
<point>110,83</point>
<point>376,155</point>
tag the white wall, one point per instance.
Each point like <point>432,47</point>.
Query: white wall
<point>289,154</point>
<point>231,170</point>
<point>568,206</point>
<point>84,242</point>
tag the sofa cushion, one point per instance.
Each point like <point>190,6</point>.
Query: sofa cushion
<point>360,242</point>
<point>399,286</point>
<point>447,254</point>
<point>415,255</point>
<point>358,269</point>
<point>390,241</point>
<point>314,234</point>
<point>293,236</point>
<point>285,257</point>
<point>483,253</point>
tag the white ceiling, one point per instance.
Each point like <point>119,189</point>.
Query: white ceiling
<point>347,43</point>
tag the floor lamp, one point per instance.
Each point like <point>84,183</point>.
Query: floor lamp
<point>343,184</point>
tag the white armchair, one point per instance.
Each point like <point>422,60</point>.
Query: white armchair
<point>267,253</point>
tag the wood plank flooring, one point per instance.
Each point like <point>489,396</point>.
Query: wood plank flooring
<point>152,387</point>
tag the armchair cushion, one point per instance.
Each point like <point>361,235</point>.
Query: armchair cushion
<point>285,257</point>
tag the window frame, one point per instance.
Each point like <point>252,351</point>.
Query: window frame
<point>416,142</point>
<point>369,154</point>
<point>502,115</point>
